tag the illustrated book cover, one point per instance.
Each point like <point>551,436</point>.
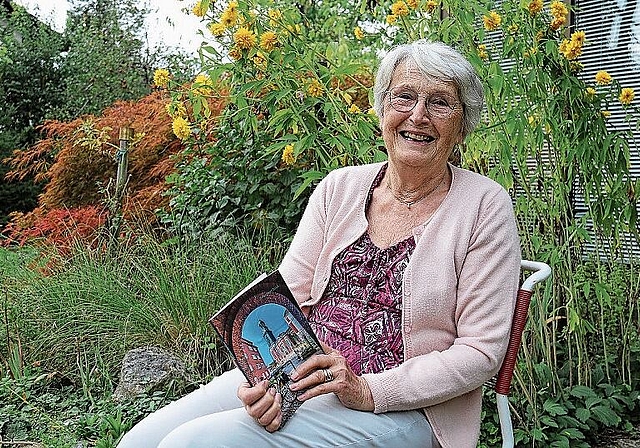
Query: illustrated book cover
<point>267,335</point>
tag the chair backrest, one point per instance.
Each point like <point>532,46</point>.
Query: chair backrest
<point>541,272</point>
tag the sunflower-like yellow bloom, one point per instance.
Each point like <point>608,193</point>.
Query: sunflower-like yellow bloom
<point>400,9</point>
<point>605,113</point>
<point>244,38</point>
<point>391,19</point>
<point>430,6</point>
<point>181,128</point>
<point>199,10</point>
<point>288,156</point>
<point>275,16</point>
<point>229,16</point>
<point>260,61</point>
<point>482,52</point>
<point>235,53</point>
<point>559,12</point>
<point>161,77</point>
<point>572,48</point>
<point>357,31</point>
<point>492,21</point>
<point>626,96</point>
<point>590,91</point>
<point>413,4</point>
<point>534,7</point>
<point>315,89</point>
<point>354,109</point>
<point>217,28</point>
<point>268,41</point>
<point>603,78</point>
<point>203,85</point>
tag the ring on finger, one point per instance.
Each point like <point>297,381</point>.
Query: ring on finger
<point>328,375</point>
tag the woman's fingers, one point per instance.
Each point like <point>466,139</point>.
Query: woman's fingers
<point>262,403</point>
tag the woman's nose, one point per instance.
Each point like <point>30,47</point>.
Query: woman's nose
<point>420,112</point>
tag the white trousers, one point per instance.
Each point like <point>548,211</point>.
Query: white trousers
<point>213,416</point>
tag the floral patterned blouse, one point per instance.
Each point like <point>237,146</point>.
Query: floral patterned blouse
<point>360,312</point>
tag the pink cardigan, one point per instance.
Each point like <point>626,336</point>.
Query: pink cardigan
<point>459,292</point>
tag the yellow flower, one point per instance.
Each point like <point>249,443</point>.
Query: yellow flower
<point>354,109</point>
<point>260,61</point>
<point>535,6</point>
<point>180,128</point>
<point>605,113</point>
<point>275,16</point>
<point>513,28</point>
<point>400,9</point>
<point>315,89</point>
<point>217,28</point>
<point>202,84</point>
<point>235,53</point>
<point>199,10</point>
<point>492,21</point>
<point>430,6</point>
<point>357,31</point>
<point>244,38</point>
<point>603,78</point>
<point>626,96</point>
<point>482,51</point>
<point>391,19</point>
<point>413,4</point>
<point>530,52</point>
<point>161,77</point>
<point>558,9</point>
<point>590,91</point>
<point>559,13</point>
<point>534,120</point>
<point>175,110</point>
<point>572,49</point>
<point>229,16</point>
<point>288,156</point>
<point>268,41</point>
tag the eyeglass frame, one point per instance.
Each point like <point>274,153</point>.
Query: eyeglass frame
<point>453,107</point>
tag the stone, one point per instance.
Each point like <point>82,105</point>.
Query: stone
<point>146,370</point>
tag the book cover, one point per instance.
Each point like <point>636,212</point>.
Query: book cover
<point>267,335</point>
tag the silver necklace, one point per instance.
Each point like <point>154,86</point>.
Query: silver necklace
<point>415,201</point>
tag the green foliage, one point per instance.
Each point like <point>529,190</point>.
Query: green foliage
<point>98,59</point>
<point>29,88</point>
<point>48,408</point>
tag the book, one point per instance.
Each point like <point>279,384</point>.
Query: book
<point>267,335</point>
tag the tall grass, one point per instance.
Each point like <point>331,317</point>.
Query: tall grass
<point>95,306</point>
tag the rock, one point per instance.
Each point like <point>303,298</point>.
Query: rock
<point>145,370</point>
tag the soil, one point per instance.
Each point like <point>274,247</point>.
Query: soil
<point>617,439</point>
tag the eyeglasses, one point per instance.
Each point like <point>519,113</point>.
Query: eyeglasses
<point>439,105</point>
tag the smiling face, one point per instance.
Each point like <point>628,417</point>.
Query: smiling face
<point>415,138</point>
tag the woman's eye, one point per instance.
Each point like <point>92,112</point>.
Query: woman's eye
<point>441,102</point>
<point>408,96</point>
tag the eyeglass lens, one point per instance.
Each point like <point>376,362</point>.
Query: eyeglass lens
<point>438,105</point>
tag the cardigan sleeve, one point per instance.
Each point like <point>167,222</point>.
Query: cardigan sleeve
<point>299,263</point>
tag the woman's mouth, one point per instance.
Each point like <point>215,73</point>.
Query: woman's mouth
<point>417,137</point>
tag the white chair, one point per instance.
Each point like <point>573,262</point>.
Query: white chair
<point>541,272</point>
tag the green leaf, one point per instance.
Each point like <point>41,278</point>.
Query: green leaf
<point>583,414</point>
<point>605,415</point>
<point>553,408</point>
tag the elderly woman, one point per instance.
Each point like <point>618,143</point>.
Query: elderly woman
<point>408,271</point>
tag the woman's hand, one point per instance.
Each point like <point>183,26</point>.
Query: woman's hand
<point>262,403</point>
<point>352,390</point>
